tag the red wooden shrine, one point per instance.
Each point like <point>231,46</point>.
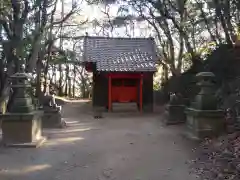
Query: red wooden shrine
<point>122,70</point>
<point>123,87</point>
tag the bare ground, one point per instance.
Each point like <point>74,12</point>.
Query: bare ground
<point>120,146</point>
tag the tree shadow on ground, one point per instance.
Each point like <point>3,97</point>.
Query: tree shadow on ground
<point>44,162</point>
<point>89,146</point>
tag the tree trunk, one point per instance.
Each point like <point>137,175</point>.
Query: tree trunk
<point>74,80</point>
<point>69,87</point>
<point>46,76</point>
<point>66,80</point>
<point>213,38</point>
<point>60,82</point>
<point>38,79</point>
<point>222,21</point>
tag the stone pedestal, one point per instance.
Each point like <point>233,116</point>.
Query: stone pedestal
<point>52,118</point>
<point>22,129</point>
<point>204,123</point>
<point>175,110</point>
<point>204,120</point>
<point>21,125</point>
<point>175,114</point>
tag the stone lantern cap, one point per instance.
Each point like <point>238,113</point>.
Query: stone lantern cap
<point>21,80</point>
<point>204,75</point>
<point>205,78</point>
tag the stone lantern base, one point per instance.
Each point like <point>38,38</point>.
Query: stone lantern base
<point>22,129</point>
<point>174,114</point>
<point>204,123</point>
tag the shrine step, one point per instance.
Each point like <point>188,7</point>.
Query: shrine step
<point>124,107</point>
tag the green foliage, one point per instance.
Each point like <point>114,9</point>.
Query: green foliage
<point>156,86</point>
<point>207,49</point>
<point>58,59</point>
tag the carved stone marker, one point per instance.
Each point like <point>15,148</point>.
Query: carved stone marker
<point>21,125</point>
<point>52,117</point>
<point>175,110</point>
<point>203,118</point>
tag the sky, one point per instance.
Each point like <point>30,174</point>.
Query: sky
<point>92,12</point>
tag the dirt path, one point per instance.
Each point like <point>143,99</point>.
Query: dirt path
<point>118,147</point>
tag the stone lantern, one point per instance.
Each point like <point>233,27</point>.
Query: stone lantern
<point>21,100</point>
<point>21,125</point>
<point>203,118</point>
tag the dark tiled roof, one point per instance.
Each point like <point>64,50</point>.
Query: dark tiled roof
<point>120,54</point>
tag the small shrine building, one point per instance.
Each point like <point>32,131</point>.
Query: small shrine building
<point>122,70</point>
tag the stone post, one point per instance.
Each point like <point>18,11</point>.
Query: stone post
<point>21,125</point>
<point>175,110</point>
<point>203,118</point>
<point>52,117</point>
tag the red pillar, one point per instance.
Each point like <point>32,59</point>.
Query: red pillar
<point>109,92</point>
<point>141,93</point>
